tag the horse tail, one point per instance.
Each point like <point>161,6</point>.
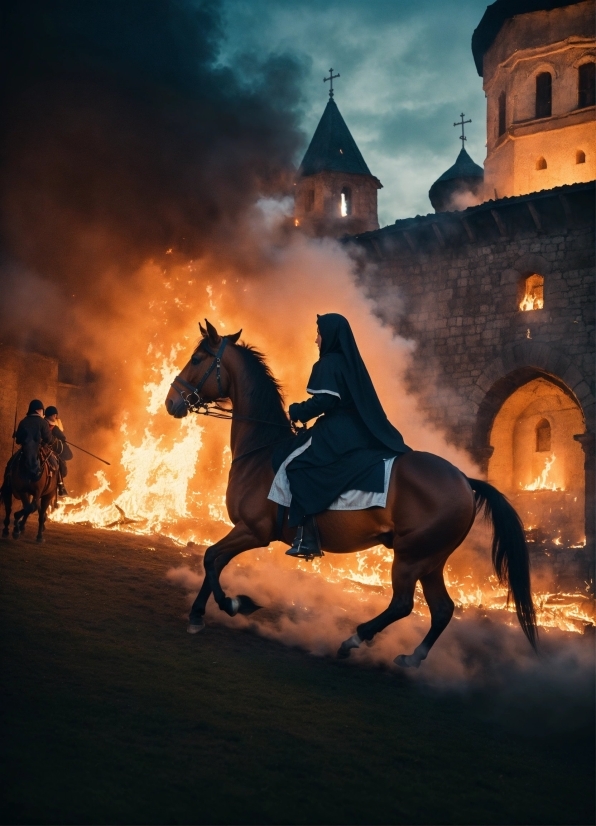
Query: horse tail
<point>509,553</point>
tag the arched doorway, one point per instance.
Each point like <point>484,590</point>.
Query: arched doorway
<point>537,462</point>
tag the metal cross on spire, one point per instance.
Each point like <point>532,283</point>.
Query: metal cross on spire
<point>461,123</point>
<point>331,78</point>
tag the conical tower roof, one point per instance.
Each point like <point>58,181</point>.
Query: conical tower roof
<point>332,148</point>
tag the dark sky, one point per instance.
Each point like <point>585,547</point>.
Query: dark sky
<point>406,73</point>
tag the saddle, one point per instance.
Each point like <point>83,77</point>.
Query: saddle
<point>49,458</point>
<point>45,456</point>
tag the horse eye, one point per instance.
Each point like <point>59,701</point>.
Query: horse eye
<point>194,360</point>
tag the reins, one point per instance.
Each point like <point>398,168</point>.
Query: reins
<point>195,403</point>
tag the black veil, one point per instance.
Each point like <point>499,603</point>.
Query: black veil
<point>338,338</point>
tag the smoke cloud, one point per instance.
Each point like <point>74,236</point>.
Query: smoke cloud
<point>123,138</point>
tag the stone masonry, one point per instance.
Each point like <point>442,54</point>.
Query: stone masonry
<point>452,281</point>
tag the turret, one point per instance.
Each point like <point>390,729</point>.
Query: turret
<point>336,194</point>
<point>459,187</point>
<point>537,59</point>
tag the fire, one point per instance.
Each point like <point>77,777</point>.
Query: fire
<point>543,482</point>
<point>156,495</point>
<point>173,478</point>
<point>157,499</point>
<point>534,294</point>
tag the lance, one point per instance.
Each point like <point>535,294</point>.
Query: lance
<point>14,430</point>
<point>88,452</point>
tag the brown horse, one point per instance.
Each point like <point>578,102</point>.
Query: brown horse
<point>34,495</point>
<point>430,506</point>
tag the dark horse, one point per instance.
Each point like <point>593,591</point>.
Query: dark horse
<point>34,495</point>
<point>430,507</point>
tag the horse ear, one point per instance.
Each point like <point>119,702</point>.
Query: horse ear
<point>214,336</point>
<point>204,332</point>
<point>234,338</point>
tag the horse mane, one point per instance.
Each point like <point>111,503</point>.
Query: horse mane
<point>266,397</point>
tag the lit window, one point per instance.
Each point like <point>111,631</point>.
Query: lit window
<point>541,163</point>
<point>310,200</point>
<point>502,113</point>
<point>542,436</point>
<point>586,85</point>
<point>533,298</point>
<point>580,156</point>
<point>346,202</point>
<point>544,95</point>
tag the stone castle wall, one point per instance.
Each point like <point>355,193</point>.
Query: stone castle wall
<point>452,281</point>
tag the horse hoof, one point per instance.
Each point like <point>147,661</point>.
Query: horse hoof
<point>406,661</point>
<point>195,626</point>
<point>231,605</point>
<point>344,649</point>
<point>39,539</point>
<point>16,534</point>
<point>5,533</point>
<point>247,605</point>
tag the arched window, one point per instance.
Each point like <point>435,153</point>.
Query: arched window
<point>310,200</point>
<point>586,85</point>
<point>533,292</point>
<point>345,206</point>
<point>541,163</point>
<point>502,113</point>
<point>543,436</point>
<point>544,95</point>
<point>580,156</point>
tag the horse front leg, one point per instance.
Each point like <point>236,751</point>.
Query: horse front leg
<point>20,517</point>
<point>43,507</point>
<point>240,539</point>
<point>7,499</point>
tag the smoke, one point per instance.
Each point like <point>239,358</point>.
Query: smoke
<point>304,608</point>
<point>124,138</point>
<point>463,198</point>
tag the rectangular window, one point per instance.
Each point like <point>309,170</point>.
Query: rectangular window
<point>502,113</point>
<point>586,85</point>
<point>544,95</point>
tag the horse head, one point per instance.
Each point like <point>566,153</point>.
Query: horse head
<point>203,378</point>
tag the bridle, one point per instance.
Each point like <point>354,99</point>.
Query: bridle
<point>194,402</point>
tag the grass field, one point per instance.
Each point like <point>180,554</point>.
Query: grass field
<point>113,714</point>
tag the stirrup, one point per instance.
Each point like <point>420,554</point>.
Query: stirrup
<point>306,547</point>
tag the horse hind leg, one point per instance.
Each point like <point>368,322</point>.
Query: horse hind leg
<point>402,602</point>
<point>441,610</point>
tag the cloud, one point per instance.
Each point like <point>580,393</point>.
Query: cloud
<point>406,74</point>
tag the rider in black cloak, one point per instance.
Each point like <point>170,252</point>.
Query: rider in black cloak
<point>32,432</point>
<point>349,440</point>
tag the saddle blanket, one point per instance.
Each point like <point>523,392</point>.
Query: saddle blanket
<point>349,500</point>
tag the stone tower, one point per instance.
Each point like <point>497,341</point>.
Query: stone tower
<point>335,191</point>
<point>538,61</point>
